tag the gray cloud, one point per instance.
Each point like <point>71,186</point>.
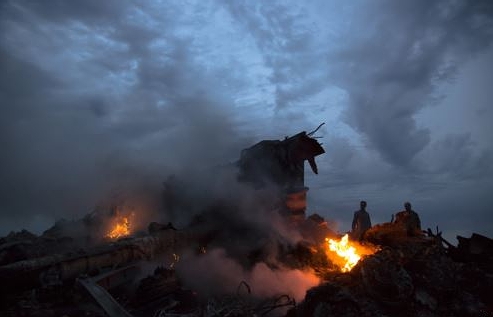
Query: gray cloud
<point>284,37</point>
<point>98,109</point>
<point>393,64</point>
<point>391,60</point>
<point>100,95</point>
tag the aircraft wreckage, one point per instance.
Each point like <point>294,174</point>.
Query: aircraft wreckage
<point>100,273</point>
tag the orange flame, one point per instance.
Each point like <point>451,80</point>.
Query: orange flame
<point>348,252</point>
<point>120,229</point>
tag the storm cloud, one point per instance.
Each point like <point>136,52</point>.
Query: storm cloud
<point>101,96</point>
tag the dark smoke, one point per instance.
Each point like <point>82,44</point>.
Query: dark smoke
<point>215,274</point>
<point>71,142</point>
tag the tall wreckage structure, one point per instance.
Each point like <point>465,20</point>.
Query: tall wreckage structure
<point>60,273</point>
<point>281,164</point>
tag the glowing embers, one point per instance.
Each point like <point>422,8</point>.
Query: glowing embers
<point>345,253</point>
<point>176,259</point>
<point>120,228</point>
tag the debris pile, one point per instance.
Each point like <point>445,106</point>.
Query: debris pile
<point>95,266</point>
<point>173,300</point>
<point>417,277</point>
<point>408,276</point>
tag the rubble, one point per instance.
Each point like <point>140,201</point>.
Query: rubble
<point>76,269</point>
<point>409,276</point>
<point>417,277</point>
<point>162,295</point>
<point>477,248</point>
<point>23,245</point>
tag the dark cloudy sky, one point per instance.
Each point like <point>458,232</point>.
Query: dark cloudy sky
<point>102,94</point>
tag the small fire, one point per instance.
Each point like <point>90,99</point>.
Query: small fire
<point>176,259</point>
<point>348,252</point>
<point>120,229</point>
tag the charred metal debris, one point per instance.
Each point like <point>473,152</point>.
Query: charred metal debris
<point>58,274</point>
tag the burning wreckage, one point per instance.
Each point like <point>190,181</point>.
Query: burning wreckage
<point>97,266</point>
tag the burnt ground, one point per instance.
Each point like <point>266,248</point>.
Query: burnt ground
<point>409,276</point>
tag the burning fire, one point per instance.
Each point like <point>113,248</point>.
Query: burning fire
<point>121,228</point>
<point>176,259</point>
<point>348,252</point>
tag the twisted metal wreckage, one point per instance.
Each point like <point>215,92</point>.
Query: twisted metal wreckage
<point>269,161</point>
<point>100,269</point>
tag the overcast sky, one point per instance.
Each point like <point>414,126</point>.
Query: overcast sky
<point>101,94</point>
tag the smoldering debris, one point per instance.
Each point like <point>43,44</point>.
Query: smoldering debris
<point>415,277</point>
<point>204,278</point>
<point>419,276</point>
<point>248,249</point>
<point>201,273</point>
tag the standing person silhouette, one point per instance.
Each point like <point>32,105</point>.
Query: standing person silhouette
<point>409,219</point>
<point>361,222</point>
